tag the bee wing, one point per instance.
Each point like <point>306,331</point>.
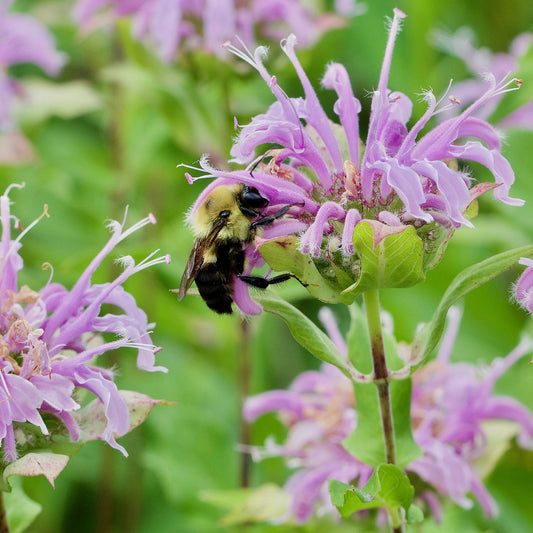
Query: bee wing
<point>196,259</point>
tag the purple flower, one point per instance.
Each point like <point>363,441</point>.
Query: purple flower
<point>23,39</point>
<point>450,403</point>
<point>523,290</point>
<point>51,338</point>
<point>399,178</point>
<point>174,24</point>
<point>486,66</point>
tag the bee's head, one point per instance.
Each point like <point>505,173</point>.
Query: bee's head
<point>250,200</point>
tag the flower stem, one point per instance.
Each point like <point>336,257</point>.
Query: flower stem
<point>244,382</point>
<point>381,372</point>
<point>4,527</point>
<point>381,379</point>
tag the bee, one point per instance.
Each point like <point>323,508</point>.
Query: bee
<point>228,218</point>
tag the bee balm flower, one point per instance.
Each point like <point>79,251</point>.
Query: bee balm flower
<point>451,403</point>
<point>176,24</point>
<point>398,179</point>
<point>51,337</point>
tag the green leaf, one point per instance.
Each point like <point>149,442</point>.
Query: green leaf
<point>282,255</point>
<point>366,442</point>
<point>391,257</point>
<point>499,436</point>
<point>43,99</point>
<point>469,279</point>
<point>415,515</point>
<point>20,509</point>
<point>264,503</point>
<point>310,336</point>
<point>349,499</point>
<point>47,464</point>
<point>388,487</point>
<point>435,238</point>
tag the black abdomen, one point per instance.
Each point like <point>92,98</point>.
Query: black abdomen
<point>215,280</point>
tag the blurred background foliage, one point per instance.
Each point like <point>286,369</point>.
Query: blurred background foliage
<point>109,132</point>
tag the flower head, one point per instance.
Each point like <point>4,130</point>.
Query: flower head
<point>451,403</point>
<point>398,178</point>
<point>51,337</point>
<point>175,24</point>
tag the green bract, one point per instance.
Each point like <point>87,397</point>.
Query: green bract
<point>385,257</point>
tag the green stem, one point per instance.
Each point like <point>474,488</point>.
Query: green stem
<point>244,382</point>
<point>381,379</point>
<point>4,527</point>
<point>381,372</point>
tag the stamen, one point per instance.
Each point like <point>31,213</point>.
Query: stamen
<point>150,219</point>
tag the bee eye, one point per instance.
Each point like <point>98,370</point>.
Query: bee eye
<point>225,214</point>
<point>251,197</point>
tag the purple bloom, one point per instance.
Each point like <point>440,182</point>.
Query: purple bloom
<point>523,290</point>
<point>399,178</point>
<point>486,66</point>
<point>23,39</point>
<point>52,337</point>
<point>173,24</point>
<point>450,403</point>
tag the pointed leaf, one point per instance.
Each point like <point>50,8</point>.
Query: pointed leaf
<point>388,487</point>
<point>310,336</point>
<point>469,279</point>
<point>349,499</point>
<point>93,421</point>
<point>47,464</point>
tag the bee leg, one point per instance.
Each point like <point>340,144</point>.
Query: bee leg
<point>268,219</point>
<point>263,283</point>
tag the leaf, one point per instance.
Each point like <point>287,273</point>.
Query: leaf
<point>265,503</point>
<point>93,421</point>
<point>20,509</point>
<point>282,254</point>
<point>310,336</point>
<point>43,99</point>
<point>47,464</point>
<point>469,279</point>
<point>349,499</point>
<point>388,487</point>
<point>390,258</point>
<point>499,436</point>
<point>366,442</point>
<point>415,515</point>
<point>435,238</point>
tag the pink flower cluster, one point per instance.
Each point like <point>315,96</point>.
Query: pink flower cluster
<point>170,25</point>
<point>450,404</point>
<point>51,337</point>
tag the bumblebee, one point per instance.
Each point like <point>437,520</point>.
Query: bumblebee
<point>228,218</point>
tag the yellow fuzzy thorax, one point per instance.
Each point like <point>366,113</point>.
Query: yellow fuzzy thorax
<point>223,198</point>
